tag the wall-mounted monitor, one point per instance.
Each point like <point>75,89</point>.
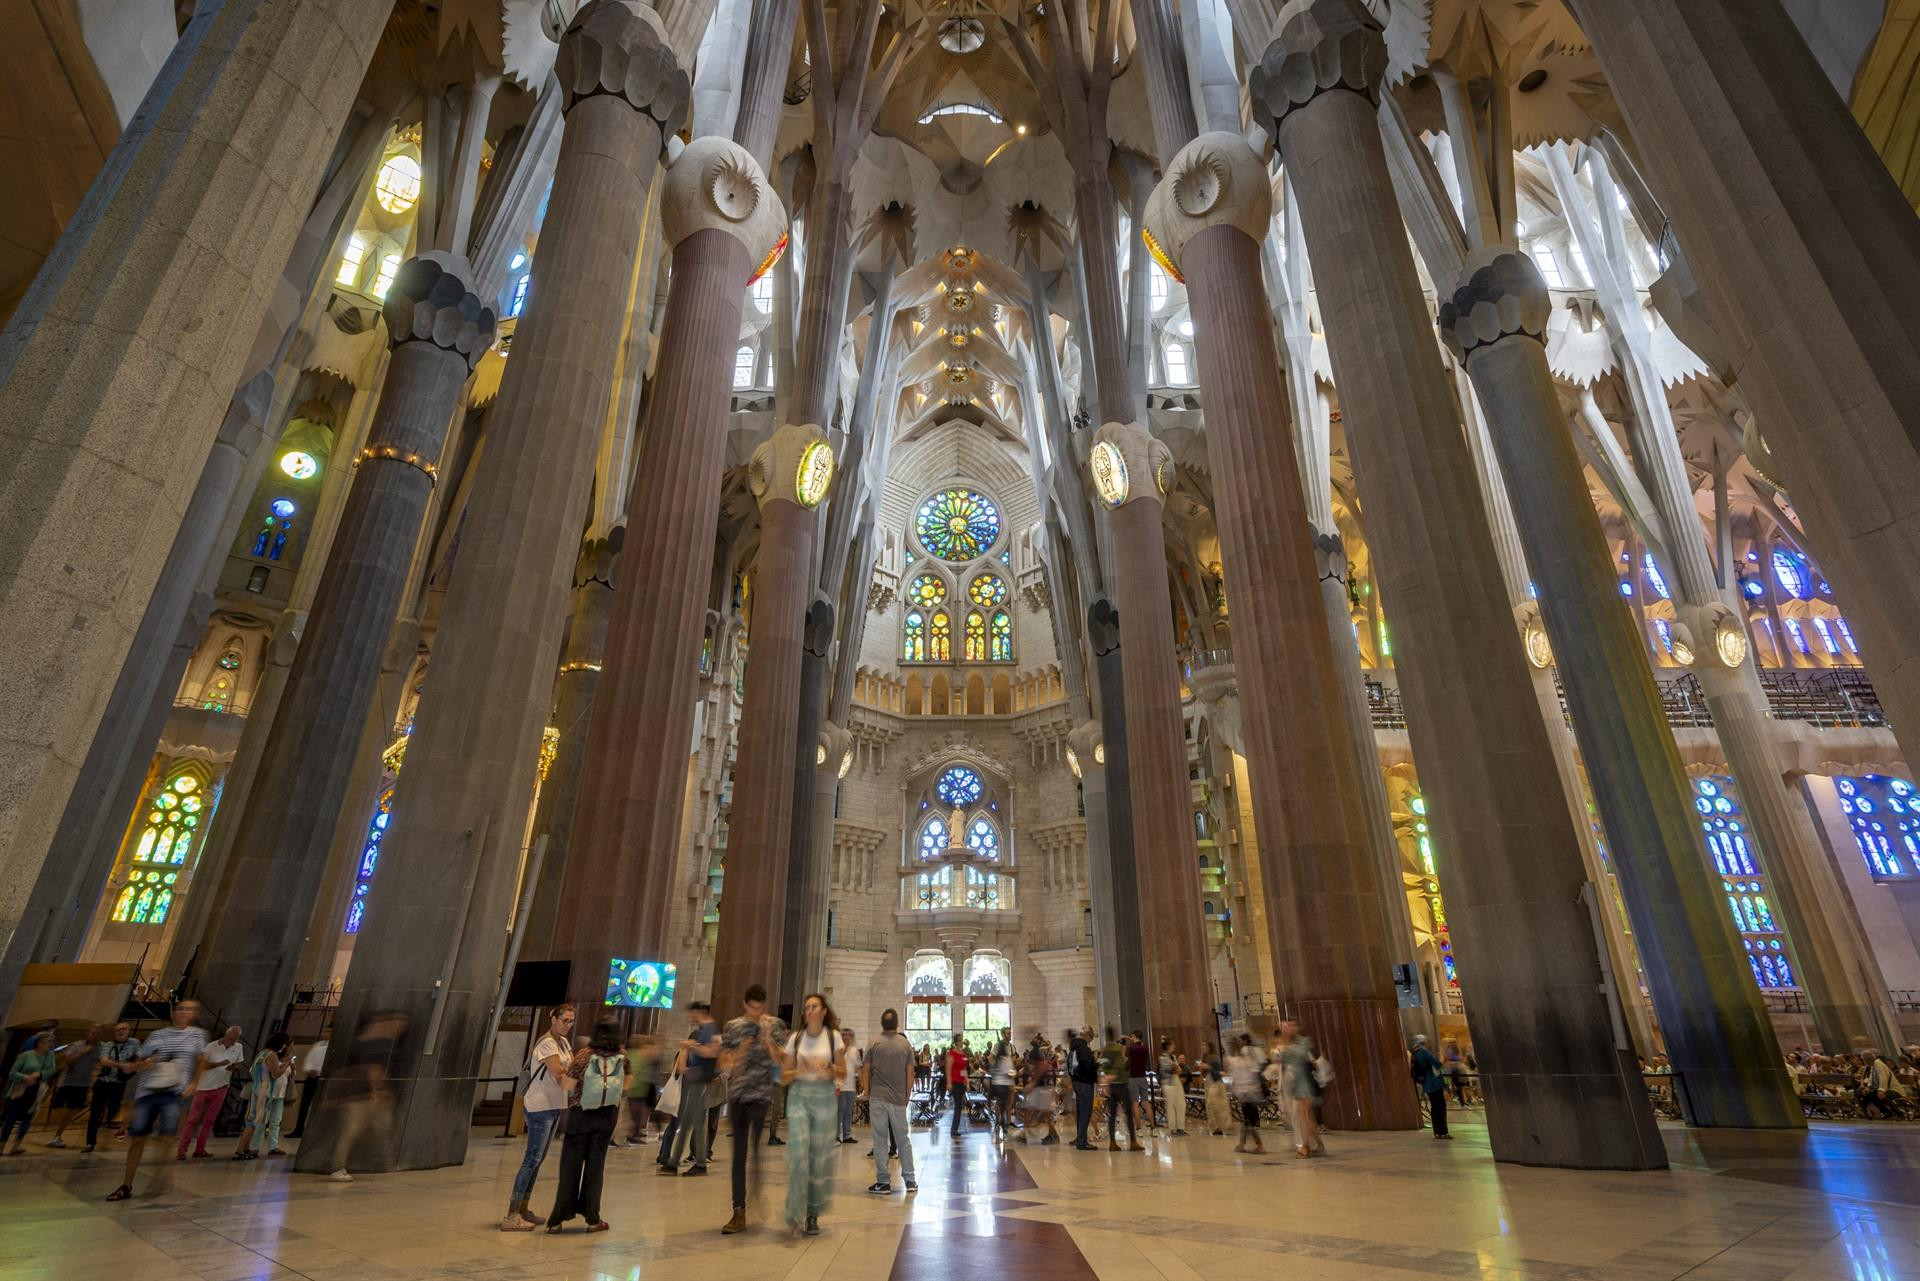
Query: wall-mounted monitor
<point>645,985</point>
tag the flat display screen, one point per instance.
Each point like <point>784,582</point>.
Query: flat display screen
<point>646,985</point>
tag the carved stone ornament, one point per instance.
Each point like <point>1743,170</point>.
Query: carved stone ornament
<point>1084,749</point>
<point>1216,180</point>
<point>1501,295</point>
<point>835,751</point>
<point>1320,46</point>
<point>1128,464</point>
<point>1716,626</point>
<point>429,301</point>
<point>620,48</point>
<point>774,473</point>
<point>715,184</point>
<point>1533,634</point>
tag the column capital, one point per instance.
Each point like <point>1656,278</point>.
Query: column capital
<point>1129,465</point>
<point>793,465</point>
<point>716,184</point>
<point>430,301</point>
<point>1215,180</point>
<point>1320,46</point>
<point>1086,753</point>
<point>1501,294</point>
<point>619,48</point>
<point>834,756</point>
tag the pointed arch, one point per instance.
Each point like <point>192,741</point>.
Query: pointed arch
<point>975,650</point>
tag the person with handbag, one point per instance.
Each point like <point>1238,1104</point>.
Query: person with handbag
<point>31,1071</point>
<point>700,1053</point>
<point>599,1077</point>
<point>1300,1083</point>
<point>668,1105</point>
<point>1431,1077</point>
<point>546,1106</point>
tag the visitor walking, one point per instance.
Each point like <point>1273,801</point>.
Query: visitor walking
<point>599,1076</point>
<point>1139,1080</point>
<point>359,1089</point>
<point>847,1090</point>
<point>212,1079</point>
<point>747,1046</point>
<point>311,1064</point>
<point>1301,1086</point>
<point>1000,1069</point>
<point>267,1099</point>
<point>167,1065</point>
<point>1244,1080</point>
<point>545,1098</point>
<point>957,1083</point>
<point>1040,1102</point>
<point>1113,1074</point>
<point>812,1064</point>
<point>1432,1080</point>
<point>643,1086</point>
<point>889,1067</point>
<point>78,1062</point>
<point>1084,1072</point>
<point>700,1052</point>
<point>110,1083</point>
<point>32,1070</point>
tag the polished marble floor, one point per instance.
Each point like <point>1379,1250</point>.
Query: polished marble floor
<point>1841,1203</point>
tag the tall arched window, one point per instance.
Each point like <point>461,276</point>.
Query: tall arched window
<point>744,361</point>
<point>929,999</point>
<point>369,861</point>
<point>933,837</point>
<point>352,262</point>
<point>983,839</point>
<point>1176,364</point>
<point>1744,882</point>
<point>976,637</point>
<point>1000,647</point>
<point>176,812</point>
<point>1884,813</point>
<point>983,890</point>
<point>217,695</point>
<point>913,642</point>
<point>519,303</point>
<point>762,293</point>
<point>989,997</point>
<point>940,638</point>
<point>275,528</point>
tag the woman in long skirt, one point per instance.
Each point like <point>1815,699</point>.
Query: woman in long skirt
<point>810,1062</point>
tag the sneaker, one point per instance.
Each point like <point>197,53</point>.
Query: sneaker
<point>696,1170</point>
<point>776,1143</point>
<point>813,1225</point>
<point>669,1171</point>
<point>341,1176</point>
<point>880,1189</point>
<point>738,1223</point>
<point>912,1186</point>
<point>86,1149</point>
<point>1443,1136</point>
<point>56,1142</point>
<point>514,1223</point>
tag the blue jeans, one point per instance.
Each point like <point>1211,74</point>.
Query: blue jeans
<point>692,1128</point>
<point>540,1127</point>
<point>845,1100</point>
<point>890,1130</point>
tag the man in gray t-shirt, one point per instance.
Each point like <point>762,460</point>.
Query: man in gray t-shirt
<point>889,1080</point>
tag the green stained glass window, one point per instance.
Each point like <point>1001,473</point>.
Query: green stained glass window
<point>926,591</point>
<point>988,590</point>
<point>166,838</point>
<point>958,524</point>
<point>913,645</point>
<point>1000,648</point>
<point>976,637</point>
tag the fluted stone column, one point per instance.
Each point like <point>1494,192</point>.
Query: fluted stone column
<point>790,473</point>
<point>810,961</point>
<point>1119,989</point>
<point>1559,1091</point>
<point>449,872</point>
<point>116,364</point>
<point>722,221</point>
<point>1119,871</point>
<point>438,330</point>
<point>1717,1032</point>
<point>1326,908</point>
<point>1130,473</point>
<point>1733,120</point>
<point>575,687</point>
<point>801,952</point>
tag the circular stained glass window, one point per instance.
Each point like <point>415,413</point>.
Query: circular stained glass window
<point>958,524</point>
<point>283,508</point>
<point>988,590</point>
<point>958,786</point>
<point>299,464</point>
<point>398,186</point>
<point>927,590</point>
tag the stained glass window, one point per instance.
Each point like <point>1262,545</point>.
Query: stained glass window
<point>270,543</point>
<point>398,186</point>
<point>519,303</point>
<point>926,591</point>
<point>1884,813</point>
<point>940,638</point>
<point>1826,634</point>
<point>174,814</point>
<point>383,279</point>
<point>933,837</point>
<point>1791,572</point>
<point>988,590</point>
<point>1798,634</point>
<point>983,890</point>
<point>976,638</point>
<point>1654,578</point>
<point>744,361</point>
<point>1743,881</point>
<point>369,861</point>
<point>983,839</point>
<point>913,645</point>
<point>350,263</point>
<point>929,891</point>
<point>958,786</point>
<point>929,999</point>
<point>1000,650</point>
<point>958,524</point>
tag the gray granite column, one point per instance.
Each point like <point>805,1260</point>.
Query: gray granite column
<point>448,878</point>
<point>1559,1091</point>
<point>1116,882</point>
<point>1736,124</point>
<point>438,330</point>
<point>114,366</point>
<point>1717,1032</point>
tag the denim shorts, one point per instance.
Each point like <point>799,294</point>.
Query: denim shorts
<point>159,1109</point>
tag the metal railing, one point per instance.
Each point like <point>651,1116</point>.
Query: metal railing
<point>1834,698</point>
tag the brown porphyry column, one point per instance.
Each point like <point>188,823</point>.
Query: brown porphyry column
<point>1559,1090</point>
<point>722,221</point>
<point>1325,909</point>
<point>1717,1032</point>
<point>434,949</point>
<point>1130,473</point>
<point>438,329</point>
<point>790,473</point>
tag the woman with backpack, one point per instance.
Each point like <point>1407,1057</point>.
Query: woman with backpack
<point>593,1110</point>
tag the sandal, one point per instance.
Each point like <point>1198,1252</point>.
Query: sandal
<point>121,1193</point>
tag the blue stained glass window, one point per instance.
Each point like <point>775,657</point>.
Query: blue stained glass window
<point>1799,635</point>
<point>1654,580</point>
<point>1791,572</point>
<point>958,786</point>
<point>1826,635</point>
<point>983,839</point>
<point>369,861</point>
<point>933,837</point>
<point>1735,858</point>
<point>1881,811</point>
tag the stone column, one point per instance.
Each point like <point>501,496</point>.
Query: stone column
<point>811,960</point>
<point>449,873</point>
<point>1716,1029</point>
<point>1559,1091</point>
<point>1109,972</point>
<point>790,473</point>
<point>438,330</point>
<point>1130,473</point>
<point>1107,744</point>
<point>1325,902</point>
<point>1734,120</point>
<point>723,221</point>
<point>807,873</point>
<point>113,367</point>
<point>575,686</point>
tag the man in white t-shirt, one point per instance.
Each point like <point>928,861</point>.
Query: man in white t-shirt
<point>166,1067</point>
<point>546,1102</point>
<point>209,1091</point>
<point>848,1086</point>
